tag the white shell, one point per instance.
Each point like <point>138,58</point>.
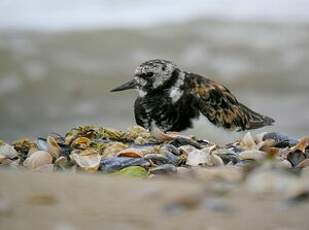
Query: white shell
<point>196,157</point>
<point>252,155</point>
<point>38,159</point>
<point>214,160</point>
<point>8,151</point>
<point>2,158</point>
<point>247,142</point>
<point>89,163</point>
<point>53,147</point>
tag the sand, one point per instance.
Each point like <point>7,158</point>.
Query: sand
<point>32,200</point>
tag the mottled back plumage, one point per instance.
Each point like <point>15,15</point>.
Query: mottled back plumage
<point>171,99</point>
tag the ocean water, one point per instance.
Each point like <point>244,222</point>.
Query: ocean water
<point>80,14</point>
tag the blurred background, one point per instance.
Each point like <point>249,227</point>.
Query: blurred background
<point>59,59</point>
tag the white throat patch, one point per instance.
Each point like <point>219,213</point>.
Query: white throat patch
<point>176,92</point>
<point>141,92</point>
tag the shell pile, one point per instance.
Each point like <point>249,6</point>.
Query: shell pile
<point>137,152</point>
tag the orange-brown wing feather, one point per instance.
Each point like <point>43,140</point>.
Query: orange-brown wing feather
<point>221,107</point>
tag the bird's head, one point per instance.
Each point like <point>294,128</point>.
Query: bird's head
<point>150,76</point>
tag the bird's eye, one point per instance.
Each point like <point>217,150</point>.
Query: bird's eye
<point>163,68</point>
<point>150,74</point>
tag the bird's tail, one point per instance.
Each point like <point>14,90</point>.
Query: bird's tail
<point>255,120</point>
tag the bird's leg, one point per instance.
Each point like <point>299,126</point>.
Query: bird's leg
<point>160,135</point>
<point>175,137</point>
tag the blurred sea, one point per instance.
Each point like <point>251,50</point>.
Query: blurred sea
<point>77,14</point>
<point>58,59</point>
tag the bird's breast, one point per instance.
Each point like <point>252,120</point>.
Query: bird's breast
<point>168,114</point>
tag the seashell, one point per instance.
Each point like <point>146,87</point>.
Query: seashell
<point>2,158</point>
<point>166,169</point>
<point>203,141</point>
<point>260,137</point>
<point>303,164</point>
<point>265,145</point>
<point>252,155</point>
<point>8,151</point>
<point>170,148</point>
<point>129,153</point>
<point>172,154</point>
<point>302,145</point>
<point>15,164</point>
<point>81,143</point>
<point>247,142</point>
<point>87,152</point>
<point>283,164</point>
<point>113,148</point>
<point>89,163</point>
<point>211,158</point>
<point>299,152</point>
<point>181,140</point>
<point>133,171</point>
<point>6,161</point>
<point>214,160</point>
<point>173,159</point>
<point>196,157</point>
<point>63,163</point>
<point>186,149</point>
<point>23,146</point>
<point>295,157</point>
<point>53,147</point>
<point>157,159</point>
<point>110,133</point>
<point>116,163</point>
<point>140,141</point>
<point>281,140</point>
<point>286,163</point>
<point>162,136</point>
<point>42,144</point>
<point>137,132</point>
<point>37,159</point>
<point>227,155</point>
<point>82,131</point>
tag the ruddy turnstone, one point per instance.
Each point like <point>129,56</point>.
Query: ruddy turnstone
<point>171,99</point>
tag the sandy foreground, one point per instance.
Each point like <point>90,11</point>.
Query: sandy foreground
<point>31,200</point>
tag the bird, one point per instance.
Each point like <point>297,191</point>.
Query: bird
<point>171,99</point>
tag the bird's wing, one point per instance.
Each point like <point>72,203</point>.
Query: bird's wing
<point>221,107</point>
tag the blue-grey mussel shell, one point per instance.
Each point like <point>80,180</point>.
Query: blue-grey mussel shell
<point>116,163</point>
<point>157,159</point>
<point>170,148</point>
<point>281,140</point>
<point>165,158</point>
<point>180,141</point>
<point>166,169</point>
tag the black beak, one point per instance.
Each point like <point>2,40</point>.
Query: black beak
<point>128,85</point>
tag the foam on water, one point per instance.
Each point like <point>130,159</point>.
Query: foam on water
<point>79,14</point>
